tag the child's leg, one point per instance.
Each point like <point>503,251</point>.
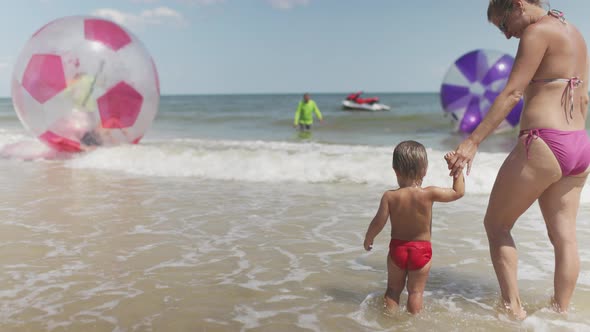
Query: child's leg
<point>396,281</point>
<point>416,285</point>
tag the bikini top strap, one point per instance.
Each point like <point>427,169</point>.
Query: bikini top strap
<point>558,14</point>
<point>568,92</point>
<point>549,80</point>
<point>573,83</point>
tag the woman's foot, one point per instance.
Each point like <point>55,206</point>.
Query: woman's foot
<point>516,312</point>
<point>556,307</point>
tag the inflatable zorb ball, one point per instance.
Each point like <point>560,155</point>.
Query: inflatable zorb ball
<point>471,85</point>
<point>85,81</point>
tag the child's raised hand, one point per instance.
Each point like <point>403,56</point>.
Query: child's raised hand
<point>448,157</point>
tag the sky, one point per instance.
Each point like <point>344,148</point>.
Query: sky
<point>287,46</point>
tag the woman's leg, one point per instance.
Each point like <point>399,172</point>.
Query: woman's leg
<point>559,205</point>
<point>519,183</point>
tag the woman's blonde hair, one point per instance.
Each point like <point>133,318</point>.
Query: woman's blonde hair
<point>410,160</point>
<point>499,7</point>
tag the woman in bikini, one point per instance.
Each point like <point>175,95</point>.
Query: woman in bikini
<point>550,162</point>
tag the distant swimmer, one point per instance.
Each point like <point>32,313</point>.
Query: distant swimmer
<point>304,113</point>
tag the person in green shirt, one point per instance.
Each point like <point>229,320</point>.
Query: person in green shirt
<point>304,113</point>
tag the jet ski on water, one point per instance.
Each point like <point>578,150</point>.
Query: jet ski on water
<point>355,102</point>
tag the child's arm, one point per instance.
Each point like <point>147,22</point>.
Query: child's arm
<point>449,194</point>
<point>459,181</point>
<point>377,223</point>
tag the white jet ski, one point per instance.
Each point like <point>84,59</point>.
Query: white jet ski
<point>355,102</point>
<point>351,105</point>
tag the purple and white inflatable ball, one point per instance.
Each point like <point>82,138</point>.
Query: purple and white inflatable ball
<point>471,85</point>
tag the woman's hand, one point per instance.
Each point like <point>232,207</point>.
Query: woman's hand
<point>462,157</point>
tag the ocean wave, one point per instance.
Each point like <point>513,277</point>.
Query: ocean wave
<point>269,161</point>
<point>262,161</point>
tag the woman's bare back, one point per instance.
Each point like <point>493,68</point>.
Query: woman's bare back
<point>547,99</point>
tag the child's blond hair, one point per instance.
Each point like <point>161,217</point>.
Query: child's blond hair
<point>410,160</point>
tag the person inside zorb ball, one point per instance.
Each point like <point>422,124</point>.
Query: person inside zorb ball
<point>82,82</point>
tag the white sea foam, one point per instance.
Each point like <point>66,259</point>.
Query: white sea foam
<point>259,161</point>
<point>276,162</point>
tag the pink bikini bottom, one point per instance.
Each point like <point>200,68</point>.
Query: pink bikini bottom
<point>571,148</point>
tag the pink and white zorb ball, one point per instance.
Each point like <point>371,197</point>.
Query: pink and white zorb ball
<point>83,81</point>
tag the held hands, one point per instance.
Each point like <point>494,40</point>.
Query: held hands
<point>461,157</point>
<point>448,157</point>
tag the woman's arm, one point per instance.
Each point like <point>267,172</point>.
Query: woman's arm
<point>531,50</point>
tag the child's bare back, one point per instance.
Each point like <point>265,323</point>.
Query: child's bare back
<point>410,213</point>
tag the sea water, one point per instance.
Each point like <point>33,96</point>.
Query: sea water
<point>225,218</point>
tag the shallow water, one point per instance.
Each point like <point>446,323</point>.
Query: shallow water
<point>249,232</point>
<point>120,253</point>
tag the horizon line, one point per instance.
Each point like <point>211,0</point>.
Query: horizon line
<point>276,93</point>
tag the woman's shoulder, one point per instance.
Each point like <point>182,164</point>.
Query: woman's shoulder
<point>539,34</point>
<point>540,28</point>
<point>553,34</point>
<point>549,26</point>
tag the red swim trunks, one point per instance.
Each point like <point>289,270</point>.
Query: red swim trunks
<point>410,255</point>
